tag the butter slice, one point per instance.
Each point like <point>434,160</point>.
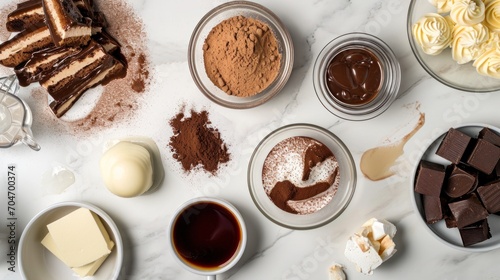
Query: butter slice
<point>91,268</point>
<point>80,238</point>
<point>83,271</point>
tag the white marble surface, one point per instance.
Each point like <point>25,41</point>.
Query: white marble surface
<point>273,252</point>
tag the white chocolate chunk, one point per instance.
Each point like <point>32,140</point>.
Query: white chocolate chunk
<point>371,245</point>
<point>380,228</point>
<point>336,272</point>
<point>127,170</point>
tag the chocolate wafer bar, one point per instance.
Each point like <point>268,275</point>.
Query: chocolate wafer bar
<point>66,24</point>
<point>19,49</point>
<point>26,14</point>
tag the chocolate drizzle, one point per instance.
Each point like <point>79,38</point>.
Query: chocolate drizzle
<point>66,92</point>
<point>70,18</point>
<point>40,62</point>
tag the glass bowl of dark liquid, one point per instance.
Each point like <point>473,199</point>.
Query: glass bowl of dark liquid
<point>356,76</point>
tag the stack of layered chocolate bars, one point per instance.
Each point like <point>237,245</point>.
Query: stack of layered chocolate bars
<point>64,46</point>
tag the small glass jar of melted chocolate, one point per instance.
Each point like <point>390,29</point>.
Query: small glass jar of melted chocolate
<point>356,76</point>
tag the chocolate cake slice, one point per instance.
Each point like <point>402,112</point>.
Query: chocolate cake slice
<point>41,62</point>
<point>20,47</point>
<point>26,14</point>
<point>82,71</point>
<point>67,25</point>
<point>101,75</point>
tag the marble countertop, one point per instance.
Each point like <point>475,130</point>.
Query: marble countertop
<point>273,252</point>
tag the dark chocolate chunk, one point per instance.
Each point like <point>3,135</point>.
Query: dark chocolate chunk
<point>453,145</point>
<point>490,136</point>
<point>475,233</point>
<point>430,178</point>
<point>461,181</point>
<point>468,211</point>
<point>484,156</point>
<point>496,172</point>
<point>433,208</point>
<point>450,221</point>
<point>490,196</point>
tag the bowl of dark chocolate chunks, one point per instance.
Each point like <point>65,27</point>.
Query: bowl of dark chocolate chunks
<point>456,187</point>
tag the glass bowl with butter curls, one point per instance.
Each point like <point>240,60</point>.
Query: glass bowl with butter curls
<point>240,55</point>
<point>457,42</point>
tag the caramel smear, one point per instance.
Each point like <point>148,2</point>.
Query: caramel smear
<point>376,163</point>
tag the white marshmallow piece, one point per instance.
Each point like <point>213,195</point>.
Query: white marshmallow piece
<point>371,245</point>
<point>362,254</point>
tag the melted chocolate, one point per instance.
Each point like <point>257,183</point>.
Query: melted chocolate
<point>354,76</point>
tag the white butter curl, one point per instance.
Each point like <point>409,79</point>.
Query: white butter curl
<point>468,42</point>
<point>467,12</point>
<point>433,33</point>
<point>442,6</point>
<point>488,63</point>
<point>492,15</point>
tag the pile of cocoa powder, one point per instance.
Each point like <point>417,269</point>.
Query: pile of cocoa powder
<point>241,56</point>
<point>196,143</point>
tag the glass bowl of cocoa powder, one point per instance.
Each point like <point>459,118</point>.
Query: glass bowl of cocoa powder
<point>240,55</point>
<point>301,176</point>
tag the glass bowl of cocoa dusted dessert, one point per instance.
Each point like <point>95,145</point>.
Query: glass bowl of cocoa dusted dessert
<point>456,187</point>
<point>356,76</point>
<point>240,55</point>
<point>301,176</point>
<point>457,43</point>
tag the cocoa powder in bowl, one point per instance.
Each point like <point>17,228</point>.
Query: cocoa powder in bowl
<point>196,143</point>
<point>300,175</point>
<point>241,56</point>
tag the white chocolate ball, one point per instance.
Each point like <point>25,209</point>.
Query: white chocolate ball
<point>127,170</point>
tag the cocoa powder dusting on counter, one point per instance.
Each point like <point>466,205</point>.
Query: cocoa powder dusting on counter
<point>196,143</point>
<point>241,56</point>
<point>4,12</point>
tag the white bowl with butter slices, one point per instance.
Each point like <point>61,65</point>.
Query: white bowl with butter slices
<point>48,244</point>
